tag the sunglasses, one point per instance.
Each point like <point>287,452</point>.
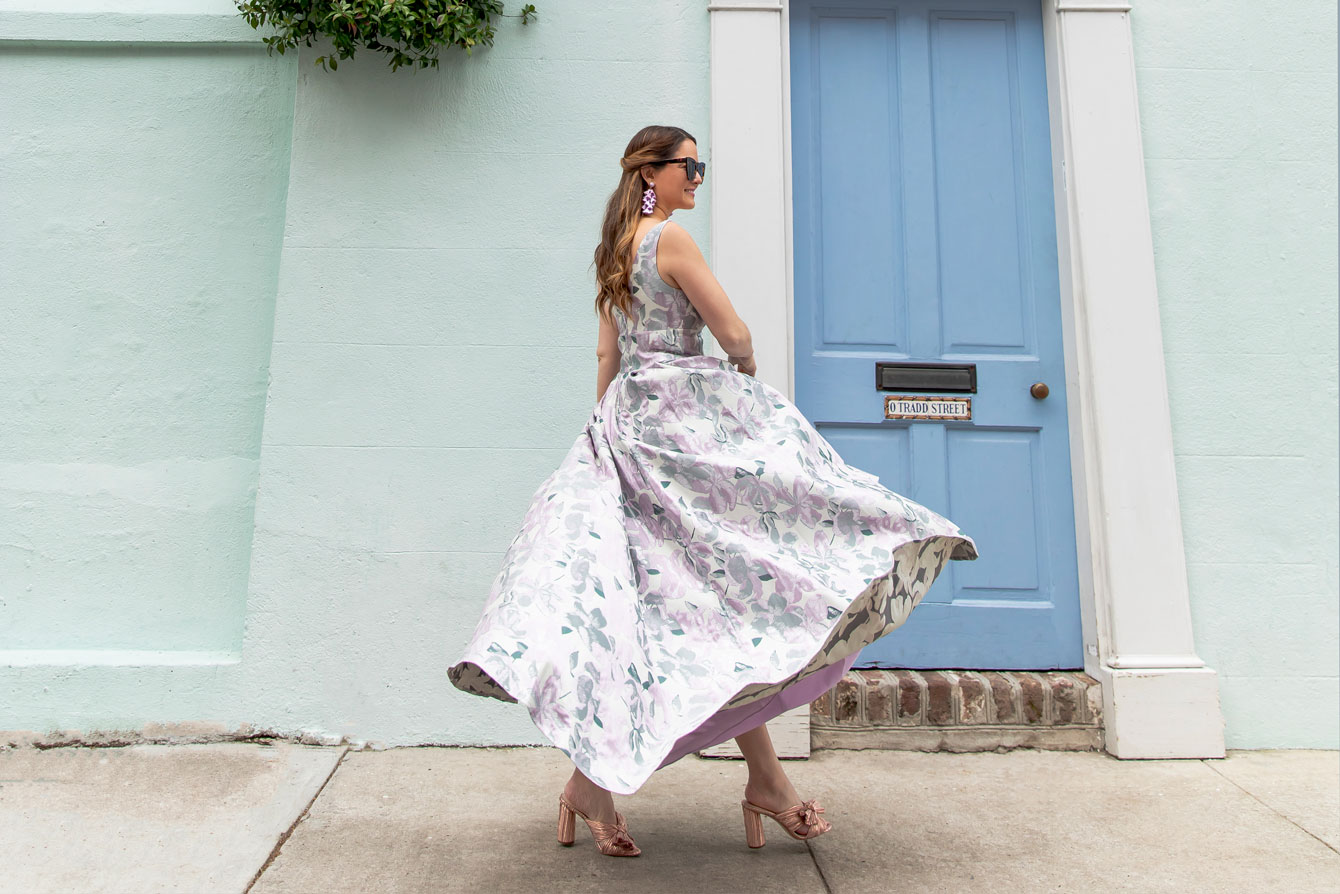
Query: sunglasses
<point>691,166</point>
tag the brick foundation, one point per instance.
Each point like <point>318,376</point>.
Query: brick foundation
<point>959,710</point>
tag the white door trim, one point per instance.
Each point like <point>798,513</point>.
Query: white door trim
<point>1160,700</point>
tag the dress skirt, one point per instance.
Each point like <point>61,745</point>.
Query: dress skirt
<point>701,560</point>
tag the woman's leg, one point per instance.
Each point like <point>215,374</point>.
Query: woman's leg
<point>596,802</point>
<point>768,785</point>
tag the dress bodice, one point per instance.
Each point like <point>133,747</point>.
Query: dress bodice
<point>664,323</point>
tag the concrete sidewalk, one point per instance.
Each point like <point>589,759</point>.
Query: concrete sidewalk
<point>238,817</point>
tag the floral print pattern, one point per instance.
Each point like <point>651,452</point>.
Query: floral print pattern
<point>701,546</point>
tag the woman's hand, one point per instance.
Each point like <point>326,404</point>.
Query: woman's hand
<point>744,364</point>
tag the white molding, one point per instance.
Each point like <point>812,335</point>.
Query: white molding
<point>1161,713</point>
<point>1092,6</point>
<point>125,27</point>
<point>1160,700</point>
<point>750,209</point>
<point>1145,662</point>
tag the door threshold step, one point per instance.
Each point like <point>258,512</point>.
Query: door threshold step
<point>960,710</point>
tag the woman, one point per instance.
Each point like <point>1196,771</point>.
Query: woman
<point>702,559</point>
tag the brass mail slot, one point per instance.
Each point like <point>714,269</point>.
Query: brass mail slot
<point>926,377</point>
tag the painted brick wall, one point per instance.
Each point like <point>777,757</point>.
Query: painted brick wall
<point>1238,110</point>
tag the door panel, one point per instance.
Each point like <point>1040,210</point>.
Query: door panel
<point>994,486</point>
<point>859,50</point>
<point>886,453</point>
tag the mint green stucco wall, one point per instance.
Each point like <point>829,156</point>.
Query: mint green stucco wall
<point>1238,112</point>
<point>141,215</point>
<point>203,525</point>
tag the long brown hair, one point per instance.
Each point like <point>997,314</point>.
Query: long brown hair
<point>622,212</point>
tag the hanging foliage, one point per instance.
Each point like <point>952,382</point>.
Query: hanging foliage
<point>410,31</point>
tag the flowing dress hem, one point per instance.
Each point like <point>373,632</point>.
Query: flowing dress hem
<point>882,606</point>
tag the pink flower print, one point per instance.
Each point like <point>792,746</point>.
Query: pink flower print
<point>789,586</point>
<point>649,513</point>
<point>549,710</point>
<point>798,505</point>
<point>720,486</point>
<point>747,415</point>
<point>678,401</point>
<point>821,544</point>
<point>754,491</point>
<point>703,556</point>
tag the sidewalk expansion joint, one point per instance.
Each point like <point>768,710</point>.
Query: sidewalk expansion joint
<point>1287,819</point>
<point>302,815</point>
<point>823,879</point>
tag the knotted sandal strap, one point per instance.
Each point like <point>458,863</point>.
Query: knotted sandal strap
<point>611,837</point>
<point>805,813</point>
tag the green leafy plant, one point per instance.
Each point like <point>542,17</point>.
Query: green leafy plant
<point>411,31</point>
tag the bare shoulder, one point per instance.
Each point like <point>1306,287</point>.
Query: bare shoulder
<point>676,237</point>
<point>677,252</point>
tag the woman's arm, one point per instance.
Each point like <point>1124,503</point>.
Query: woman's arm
<point>607,356</point>
<point>683,266</point>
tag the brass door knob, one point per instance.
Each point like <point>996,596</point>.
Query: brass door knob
<point>1039,390</point>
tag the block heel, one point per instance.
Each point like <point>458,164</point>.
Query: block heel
<point>567,825</point>
<point>753,826</point>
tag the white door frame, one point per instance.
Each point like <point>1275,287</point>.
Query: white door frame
<point>1159,698</point>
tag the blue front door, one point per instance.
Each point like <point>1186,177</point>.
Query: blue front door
<point>924,232</point>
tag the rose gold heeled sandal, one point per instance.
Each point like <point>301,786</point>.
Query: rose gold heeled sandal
<point>806,813</point>
<point>611,838</point>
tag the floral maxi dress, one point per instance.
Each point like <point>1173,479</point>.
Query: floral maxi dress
<point>701,560</point>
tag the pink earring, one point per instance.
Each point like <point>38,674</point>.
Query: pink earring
<point>649,200</point>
